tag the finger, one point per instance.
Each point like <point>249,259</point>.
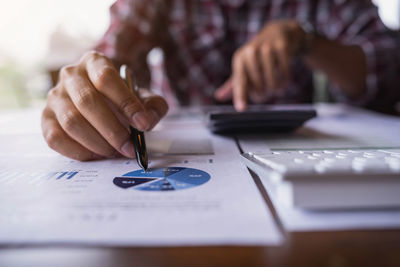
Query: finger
<point>239,84</point>
<point>224,92</point>
<point>283,57</point>
<point>258,97</point>
<point>90,103</point>
<point>268,64</point>
<point>155,104</point>
<point>253,70</point>
<point>106,79</point>
<point>153,101</point>
<point>76,126</point>
<point>59,141</point>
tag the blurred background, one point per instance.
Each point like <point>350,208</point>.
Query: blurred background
<point>40,36</point>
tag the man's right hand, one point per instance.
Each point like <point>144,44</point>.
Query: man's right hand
<point>89,110</point>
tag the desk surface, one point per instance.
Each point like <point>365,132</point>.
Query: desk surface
<point>345,248</point>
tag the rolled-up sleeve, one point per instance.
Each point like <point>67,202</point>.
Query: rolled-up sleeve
<point>127,31</point>
<point>131,35</point>
<point>358,23</point>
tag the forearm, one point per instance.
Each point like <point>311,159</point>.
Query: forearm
<point>345,66</point>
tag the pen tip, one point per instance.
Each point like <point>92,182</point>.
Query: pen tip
<point>144,167</point>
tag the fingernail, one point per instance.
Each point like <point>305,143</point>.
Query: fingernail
<point>140,120</point>
<point>240,106</point>
<point>128,150</point>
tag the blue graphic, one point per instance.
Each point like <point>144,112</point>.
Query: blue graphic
<point>5,175</point>
<point>162,179</point>
<point>69,175</point>
<point>9,177</point>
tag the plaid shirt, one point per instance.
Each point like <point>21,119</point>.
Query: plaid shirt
<point>199,37</point>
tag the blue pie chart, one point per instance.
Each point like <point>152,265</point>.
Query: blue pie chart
<point>162,179</point>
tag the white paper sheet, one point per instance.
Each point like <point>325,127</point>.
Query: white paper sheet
<point>47,198</point>
<point>335,126</point>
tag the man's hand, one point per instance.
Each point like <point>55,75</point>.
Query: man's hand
<point>261,67</point>
<point>89,110</point>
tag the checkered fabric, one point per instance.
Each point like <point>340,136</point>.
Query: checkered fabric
<point>199,37</point>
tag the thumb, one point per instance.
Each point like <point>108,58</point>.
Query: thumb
<point>224,92</point>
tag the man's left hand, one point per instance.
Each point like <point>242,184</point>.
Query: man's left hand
<point>261,67</point>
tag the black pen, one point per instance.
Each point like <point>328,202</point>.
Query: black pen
<point>137,136</point>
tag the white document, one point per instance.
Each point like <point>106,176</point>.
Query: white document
<point>335,127</point>
<point>196,193</point>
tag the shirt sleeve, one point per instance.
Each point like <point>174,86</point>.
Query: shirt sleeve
<point>132,33</point>
<point>356,22</point>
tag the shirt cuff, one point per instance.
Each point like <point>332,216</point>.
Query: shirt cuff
<point>371,81</point>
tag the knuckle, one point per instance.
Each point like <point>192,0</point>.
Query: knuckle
<point>104,76</point>
<point>129,106</point>
<point>86,98</point>
<point>53,137</point>
<point>56,92</point>
<point>90,55</point>
<point>250,50</point>
<point>67,71</point>
<point>52,94</point>
<point>70,120</point>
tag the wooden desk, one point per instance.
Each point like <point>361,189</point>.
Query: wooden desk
<point>345,248</point>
